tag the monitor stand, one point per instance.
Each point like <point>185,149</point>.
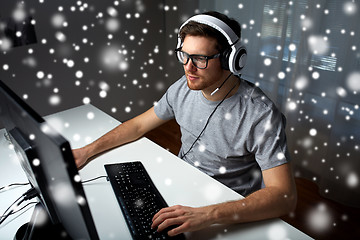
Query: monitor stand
<point>40,227</point>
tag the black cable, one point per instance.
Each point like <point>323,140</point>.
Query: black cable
<point>11,205</point>
<point>93,179</point>
<point>24,184</point>
<point>29,194</point>
<point>218,88</point>
<point>225,80</point>
<point>13,184</point>
<point>18,210</point>
<point>30,203</point>
<point>207,122</point>
<point>6,215</point>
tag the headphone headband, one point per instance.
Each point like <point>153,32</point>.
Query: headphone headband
<point>216,23</point>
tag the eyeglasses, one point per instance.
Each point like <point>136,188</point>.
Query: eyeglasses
<point>199,61</point>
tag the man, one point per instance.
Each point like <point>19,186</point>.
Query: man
<point>230,130</point>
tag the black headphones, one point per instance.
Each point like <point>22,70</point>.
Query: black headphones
<point>233,58</point>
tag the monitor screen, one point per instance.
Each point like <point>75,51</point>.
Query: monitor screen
<point>47,160</point>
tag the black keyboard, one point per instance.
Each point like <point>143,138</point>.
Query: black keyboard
<point>138,198</point>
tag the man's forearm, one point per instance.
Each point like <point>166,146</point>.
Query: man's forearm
<point>262,204</point>
<point>122,134</point>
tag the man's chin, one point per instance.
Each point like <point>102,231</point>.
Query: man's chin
<point>193,87</point>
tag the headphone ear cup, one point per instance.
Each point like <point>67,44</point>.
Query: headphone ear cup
<point>240,59</point>
<point>233,60</point>
<point>224,59</point>
<point>237,59</point>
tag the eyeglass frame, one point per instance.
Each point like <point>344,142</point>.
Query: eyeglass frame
<point>190,56</point>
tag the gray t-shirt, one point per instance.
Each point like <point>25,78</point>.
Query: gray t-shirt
<point>245,135</point>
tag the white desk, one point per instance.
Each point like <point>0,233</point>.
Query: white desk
<point>178,182</point>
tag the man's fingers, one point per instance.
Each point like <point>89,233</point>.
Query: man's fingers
<point>163,217</point>
<point>165,210</point>
<point>168,222</point>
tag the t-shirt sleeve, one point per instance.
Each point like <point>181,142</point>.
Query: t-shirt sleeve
<point>267,140</point>
<point>163,108</point>
<point>166,107</point>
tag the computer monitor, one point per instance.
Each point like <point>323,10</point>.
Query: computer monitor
<point>46,157</point>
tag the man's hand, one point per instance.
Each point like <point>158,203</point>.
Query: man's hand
<point>187,219</point>
<point>80,157</point>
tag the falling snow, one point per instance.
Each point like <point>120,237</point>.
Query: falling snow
<point>119,56</point>
<point>319,218</point>
<point>36,162</point>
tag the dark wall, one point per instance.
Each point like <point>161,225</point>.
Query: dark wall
<point>115,54</point>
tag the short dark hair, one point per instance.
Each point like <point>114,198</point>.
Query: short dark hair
<point>198,29</point>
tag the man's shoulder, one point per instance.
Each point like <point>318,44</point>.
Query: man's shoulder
<point>256,95</point>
